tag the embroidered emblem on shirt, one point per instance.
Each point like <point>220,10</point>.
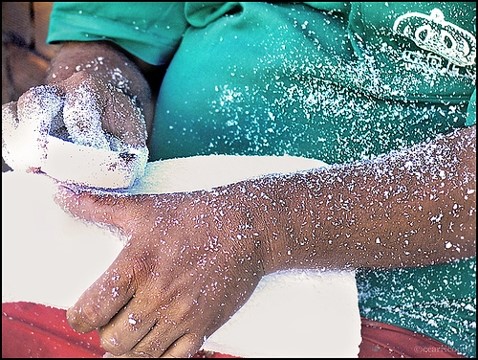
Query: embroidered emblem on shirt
<point>433,33</point>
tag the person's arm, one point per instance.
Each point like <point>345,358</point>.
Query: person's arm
<point>415,207</point>
<point>194,258</point>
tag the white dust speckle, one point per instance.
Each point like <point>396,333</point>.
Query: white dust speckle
<point>131,319</point>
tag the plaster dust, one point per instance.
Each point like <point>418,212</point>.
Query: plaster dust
<point>51,258</point>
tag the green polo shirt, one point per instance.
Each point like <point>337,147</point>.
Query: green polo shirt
<point>334,81</point>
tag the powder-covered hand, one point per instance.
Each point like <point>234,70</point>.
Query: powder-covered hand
<point>92,91</point>
<point>190,262</point>
<point>92,107</point>
<point>82,109</point>
<point>100,82</point>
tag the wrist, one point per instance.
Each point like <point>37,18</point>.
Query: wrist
<point>288,215</point>
<point>263,213</point>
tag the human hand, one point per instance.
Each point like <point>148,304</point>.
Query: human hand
<point>79,130</point>
<point>88,97</point>
<point>191,261</point>
<point>85,107</point>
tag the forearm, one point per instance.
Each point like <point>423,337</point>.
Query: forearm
<point>411,208</point>
<point>108,64</point>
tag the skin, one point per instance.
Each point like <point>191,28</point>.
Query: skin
<point>193,259</point>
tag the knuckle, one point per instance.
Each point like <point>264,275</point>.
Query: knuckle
<point>111,344</point>
<point>42,100</point>
<point>90,314</point>
<point>140,354</point>
<point>115,340</point>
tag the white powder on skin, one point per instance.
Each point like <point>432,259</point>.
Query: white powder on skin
<point>66,255</point>
<point>82,118</point>
<point>65,139</point>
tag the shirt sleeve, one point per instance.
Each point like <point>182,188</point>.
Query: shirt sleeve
<point>471,118</point>
<point>151,31</point>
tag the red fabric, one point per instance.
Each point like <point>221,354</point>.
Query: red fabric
<point>38,331</point>
<point>380,340</point>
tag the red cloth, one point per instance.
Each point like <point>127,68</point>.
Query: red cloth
<point>39,331</point>
<point>380,340</point>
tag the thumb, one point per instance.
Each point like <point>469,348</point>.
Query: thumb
<point>109,209</point>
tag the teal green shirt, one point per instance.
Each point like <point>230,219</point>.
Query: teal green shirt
<point>335,81</point>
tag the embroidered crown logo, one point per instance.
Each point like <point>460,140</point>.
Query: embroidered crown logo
<point>433,33</point>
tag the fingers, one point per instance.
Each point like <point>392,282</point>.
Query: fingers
<point>165,332</point>
<point>9,138</point>
<point>168,345</point>
<point>93,113</point>
<point>91,106</point>
<point>137,328</point>
<point>104,299</point>
<point>169,337</point>
<point>124,120</point>
<point>129,326</point>
<point>186,346</point>
<point>83,110</point>
<point>39,106</point>
<point>144,329</point>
